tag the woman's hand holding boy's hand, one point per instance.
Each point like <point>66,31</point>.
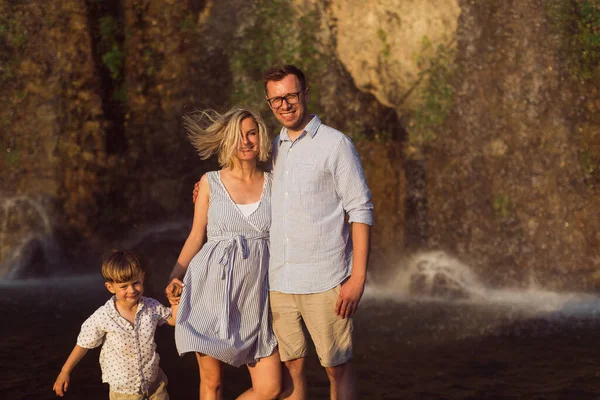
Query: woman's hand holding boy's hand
<point>174,290</point>
<point>62,383</point>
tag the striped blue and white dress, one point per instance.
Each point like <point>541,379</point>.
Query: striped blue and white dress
<point>224,308</point>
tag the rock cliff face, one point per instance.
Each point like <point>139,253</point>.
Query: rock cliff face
<point>507,187</point>
<point>52,123</point>
<point>477,121</point>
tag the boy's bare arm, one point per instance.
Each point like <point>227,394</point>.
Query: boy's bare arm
<point>171,321</point>
<point>62,381</point>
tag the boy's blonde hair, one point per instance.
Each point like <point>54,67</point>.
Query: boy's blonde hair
<point>211,132</point>
<point>121,266</point>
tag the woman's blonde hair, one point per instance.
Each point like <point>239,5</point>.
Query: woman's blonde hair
<point>211,132</point>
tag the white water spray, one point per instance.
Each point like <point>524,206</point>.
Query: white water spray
<point>25,228</point>
<point>437,276</point>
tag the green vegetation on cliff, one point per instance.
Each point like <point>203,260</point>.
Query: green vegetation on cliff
<point>278,36</point>
<point>385,45</point>
<point>113,56</point>
<point>502,205</point>
<point>436,94</point>
<point>578,22</point>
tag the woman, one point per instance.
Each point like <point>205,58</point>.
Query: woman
<point>223,311</point>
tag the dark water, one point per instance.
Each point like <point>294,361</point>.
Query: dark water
<point>531,345</point>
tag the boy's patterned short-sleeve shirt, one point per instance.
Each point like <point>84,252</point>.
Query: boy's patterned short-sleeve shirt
<point>128,358</point>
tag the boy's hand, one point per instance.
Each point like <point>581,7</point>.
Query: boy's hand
<point>62,383</point>
<point>174,290</point>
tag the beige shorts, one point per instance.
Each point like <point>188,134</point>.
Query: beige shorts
<point>158,390</point>
<point>294,314</point>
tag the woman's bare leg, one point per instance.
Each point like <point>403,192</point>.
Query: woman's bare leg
<point>266,379</point>
<point>211,376</point>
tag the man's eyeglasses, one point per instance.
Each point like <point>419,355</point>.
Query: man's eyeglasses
<point>290,98</point>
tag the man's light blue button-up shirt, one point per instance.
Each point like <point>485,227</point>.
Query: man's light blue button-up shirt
<point>317,180</point>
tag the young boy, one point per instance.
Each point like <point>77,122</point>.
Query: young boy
<point>125,327</point>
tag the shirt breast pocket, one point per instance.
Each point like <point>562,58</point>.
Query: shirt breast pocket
<point>308,178</point>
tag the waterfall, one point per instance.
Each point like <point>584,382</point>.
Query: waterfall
<point>437,276</point>
<point>28,245</point>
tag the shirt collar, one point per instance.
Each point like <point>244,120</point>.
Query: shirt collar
<point>112,307</point>
<point>311,128</point>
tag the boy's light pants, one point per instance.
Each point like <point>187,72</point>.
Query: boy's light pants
<point>158,390</point>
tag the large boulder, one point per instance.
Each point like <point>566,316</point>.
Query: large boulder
<point>385,44</point>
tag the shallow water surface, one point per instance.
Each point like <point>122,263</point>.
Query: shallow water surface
<point>504,345</point>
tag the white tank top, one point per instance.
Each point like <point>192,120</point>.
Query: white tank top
<point>248,209</point>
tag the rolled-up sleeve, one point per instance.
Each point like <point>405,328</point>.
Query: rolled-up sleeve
<point>163,313</point>
<point>351,183</point>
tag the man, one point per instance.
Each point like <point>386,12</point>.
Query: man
<point>316,273</point>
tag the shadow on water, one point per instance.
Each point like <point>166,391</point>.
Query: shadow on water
<point>434,331</point>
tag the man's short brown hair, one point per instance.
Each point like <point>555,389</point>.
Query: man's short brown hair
<point>279,72</point>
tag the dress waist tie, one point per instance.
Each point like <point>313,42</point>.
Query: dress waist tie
<point>233,243</point>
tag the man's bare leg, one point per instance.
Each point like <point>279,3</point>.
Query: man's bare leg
<point>342,382</point>
<point>294,380</point>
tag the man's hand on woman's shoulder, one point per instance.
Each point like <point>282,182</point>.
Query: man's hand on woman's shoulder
<point>195,191</point>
